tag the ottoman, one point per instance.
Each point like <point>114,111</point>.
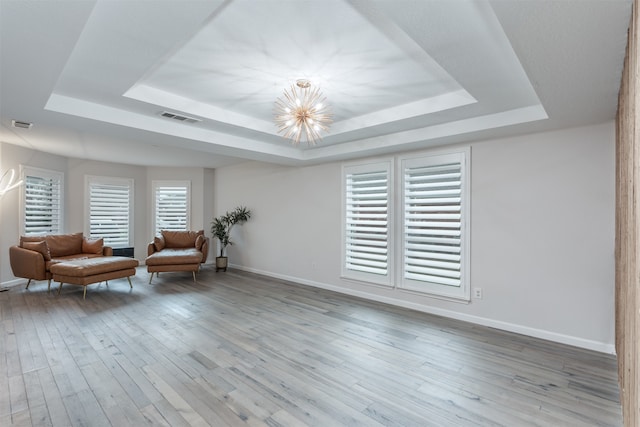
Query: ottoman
<point>93,270</point>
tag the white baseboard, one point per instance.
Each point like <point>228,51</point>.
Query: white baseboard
<point>492,323</point>
<point>14,282</point>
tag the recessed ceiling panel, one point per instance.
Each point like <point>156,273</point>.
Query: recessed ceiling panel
<point>241,61</point>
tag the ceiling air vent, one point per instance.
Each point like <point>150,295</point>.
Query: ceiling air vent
<point>179,117</point>
<point>19,124</point>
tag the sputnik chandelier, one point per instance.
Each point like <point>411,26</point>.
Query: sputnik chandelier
<point>302,109</point>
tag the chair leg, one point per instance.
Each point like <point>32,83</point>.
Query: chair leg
<point>150,277</point>
<point>28,283</point>
<point>60,288</point>
<point>194,276</point>
<point>129,279</point>
<point>84,294</point>
<point>49,286</point>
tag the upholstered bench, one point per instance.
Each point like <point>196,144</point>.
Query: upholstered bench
<point>84,272</point>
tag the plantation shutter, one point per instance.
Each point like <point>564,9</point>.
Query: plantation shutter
<point>109,212</point>
<point>366,233</point>
<point>171,207</point>
<point>42,204</point>
<point>433,223</point>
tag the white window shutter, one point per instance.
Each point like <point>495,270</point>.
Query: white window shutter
<point>435,204</point>
<point>110,211</point>
<point>366,231</point>
<point>432,224</point>
<point>171,206</point>
<point>42,203</point>
<point>409,229</point>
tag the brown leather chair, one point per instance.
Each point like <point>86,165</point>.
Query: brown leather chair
<point>177,251</point>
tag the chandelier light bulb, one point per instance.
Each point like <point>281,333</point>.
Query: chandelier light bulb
<point>302,109</point>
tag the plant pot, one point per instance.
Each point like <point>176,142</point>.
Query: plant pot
<point>221,263</point>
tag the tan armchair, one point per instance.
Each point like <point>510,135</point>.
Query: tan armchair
<point>177,251</point>
<point>35,255</point>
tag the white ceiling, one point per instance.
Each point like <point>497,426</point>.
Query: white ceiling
<point>93,76</point>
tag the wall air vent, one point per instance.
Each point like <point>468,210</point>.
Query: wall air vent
<point>19,124</point>
<point>179,117</point>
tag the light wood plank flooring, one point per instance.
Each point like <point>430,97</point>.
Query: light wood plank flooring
<point>239,349</point>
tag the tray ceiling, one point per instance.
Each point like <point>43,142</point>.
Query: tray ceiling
<point>398,75</point>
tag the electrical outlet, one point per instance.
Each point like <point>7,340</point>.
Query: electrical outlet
<point>477,292</point>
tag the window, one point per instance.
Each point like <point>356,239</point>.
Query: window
<point>171,207</point>
<point>366,233</point>
<point>41,201</point>
<point>109,210</point>
<point>427,249</point>
<point>433,225</point>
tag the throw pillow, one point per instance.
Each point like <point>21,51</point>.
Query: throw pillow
<point>64,244</point>
<point>38,247</point>
<point>32,239</point>
<point>199,241</point>
<point>158,242</point>
<point>92,246</point>
<point>179,239</point>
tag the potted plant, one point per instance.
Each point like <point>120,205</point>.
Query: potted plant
<point>221,230</point>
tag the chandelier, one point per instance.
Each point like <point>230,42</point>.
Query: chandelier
<point>302,109</point>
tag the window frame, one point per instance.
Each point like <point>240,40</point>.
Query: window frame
<point>155,185</point>
<point>27,171</point>
<point>437,158</point>
<point>113,181</point>
<point>376,166</point>
<point>397,244</point>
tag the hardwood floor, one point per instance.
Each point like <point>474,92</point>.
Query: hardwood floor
<point>240,349</point>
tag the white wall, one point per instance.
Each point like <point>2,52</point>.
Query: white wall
<point>542,221</point>
<point>295,219</point>
<point>542,233</point>
<point>74,209</point>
